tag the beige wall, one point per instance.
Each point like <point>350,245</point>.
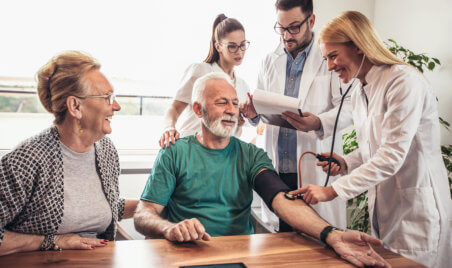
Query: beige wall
<point>423,26</point>
<point>325,10</point>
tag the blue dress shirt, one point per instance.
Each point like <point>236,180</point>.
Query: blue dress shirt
<point>287,139</point>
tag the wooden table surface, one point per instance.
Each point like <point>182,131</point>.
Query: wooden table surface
<point>260,250</point>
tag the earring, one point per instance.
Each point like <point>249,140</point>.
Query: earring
<point>80,129</point>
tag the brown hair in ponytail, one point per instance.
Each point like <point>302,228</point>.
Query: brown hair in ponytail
<point>221,27</point>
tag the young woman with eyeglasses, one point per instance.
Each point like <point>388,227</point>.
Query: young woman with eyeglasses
<point>227,50</point>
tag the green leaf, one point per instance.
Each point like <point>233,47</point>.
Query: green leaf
<point>431,66</point>
<point>437,61</point>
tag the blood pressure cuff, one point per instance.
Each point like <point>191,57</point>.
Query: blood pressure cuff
<point>268,184</point>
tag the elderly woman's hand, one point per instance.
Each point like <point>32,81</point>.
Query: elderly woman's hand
<point>74,241</point>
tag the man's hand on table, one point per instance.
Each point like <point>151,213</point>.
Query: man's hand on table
<point>187,230</point>
<point>356,248</point>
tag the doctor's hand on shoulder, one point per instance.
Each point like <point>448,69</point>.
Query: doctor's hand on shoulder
<point>170,135</point>
<point>305,123</point>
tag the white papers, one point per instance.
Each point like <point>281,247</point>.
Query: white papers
<point>273,103</point>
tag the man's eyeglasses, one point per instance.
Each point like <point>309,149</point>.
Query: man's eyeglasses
<point>111,97</point>
<point>291,29</point>
<point>233,48</point>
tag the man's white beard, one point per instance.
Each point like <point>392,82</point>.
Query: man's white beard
<point>217,128</point>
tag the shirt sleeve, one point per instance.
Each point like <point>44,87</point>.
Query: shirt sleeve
<point>16,172</point>
<point>162,180</point>
<point>185,90</point>
<point>121,206</point>
<point>259,161</point>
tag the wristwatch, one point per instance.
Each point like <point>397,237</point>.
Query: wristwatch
<point>325,232</point>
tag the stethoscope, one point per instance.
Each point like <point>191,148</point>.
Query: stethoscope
<point>319,156</point>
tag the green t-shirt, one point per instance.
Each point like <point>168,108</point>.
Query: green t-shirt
<point>212,185</point>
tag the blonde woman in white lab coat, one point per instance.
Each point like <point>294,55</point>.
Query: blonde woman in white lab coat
<point>227,50</point>
<point>399,160</point>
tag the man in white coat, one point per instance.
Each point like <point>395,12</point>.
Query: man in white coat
<point>297,69</point>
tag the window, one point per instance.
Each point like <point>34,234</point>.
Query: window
<point>143,46</point>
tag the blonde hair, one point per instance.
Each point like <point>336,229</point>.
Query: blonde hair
<point>353,26</point>
<point>61,77</point>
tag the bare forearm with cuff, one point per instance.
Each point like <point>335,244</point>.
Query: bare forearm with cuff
<point>295,212</point>
<point>299,215</point>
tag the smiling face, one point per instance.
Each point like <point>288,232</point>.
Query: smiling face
<point>343,58</point>
<point>295,43</point>
<point>233,38</point>
<point>97,112</point>
<point>220,109</point>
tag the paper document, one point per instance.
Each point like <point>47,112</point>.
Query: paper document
<point>273,103</point>
<point>270,106</point>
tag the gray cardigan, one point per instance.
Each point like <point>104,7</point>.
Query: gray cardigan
<point>32,185</point>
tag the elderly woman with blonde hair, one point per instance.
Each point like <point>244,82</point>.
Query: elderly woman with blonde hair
<point>59,189</point>
<point>399,160</point>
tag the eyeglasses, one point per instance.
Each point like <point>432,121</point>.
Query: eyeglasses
<point>291,29</point>
<point>111,97</point>
<point>233,48</point>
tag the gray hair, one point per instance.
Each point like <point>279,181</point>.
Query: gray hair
<point>200,85</point>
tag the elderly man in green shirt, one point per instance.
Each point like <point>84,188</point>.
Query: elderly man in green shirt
<point>205,182</point>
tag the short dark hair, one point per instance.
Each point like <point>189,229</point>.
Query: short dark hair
<point>305,5</point>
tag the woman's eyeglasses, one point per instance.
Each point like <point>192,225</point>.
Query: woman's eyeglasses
<point>233,48</point>
<point>111,97</point>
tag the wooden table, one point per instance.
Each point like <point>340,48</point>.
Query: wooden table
<point>260,250</point>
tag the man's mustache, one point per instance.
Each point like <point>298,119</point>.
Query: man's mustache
<point>229,118</point>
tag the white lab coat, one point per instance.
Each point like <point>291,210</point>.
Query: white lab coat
<point>399,162</point>
<point>319,94</point>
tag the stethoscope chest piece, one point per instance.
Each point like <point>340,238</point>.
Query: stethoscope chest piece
<point>293,196</point>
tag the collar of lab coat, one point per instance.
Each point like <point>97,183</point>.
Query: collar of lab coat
<point>372,75</point>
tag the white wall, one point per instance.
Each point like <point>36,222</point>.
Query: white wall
<point>325,10</point>
<point>423,26</point>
